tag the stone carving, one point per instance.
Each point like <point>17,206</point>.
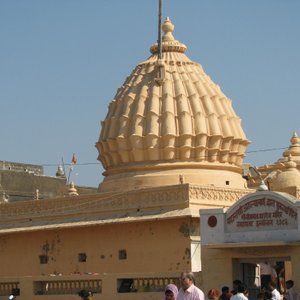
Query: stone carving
<point>217,194</point>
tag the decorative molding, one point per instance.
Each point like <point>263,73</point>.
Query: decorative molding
<point>96,203</point>
<point>217,194</point>
<point>153,199</point>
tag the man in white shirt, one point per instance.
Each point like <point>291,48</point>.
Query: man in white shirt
<point>188,290</point>
<point>275,293</point>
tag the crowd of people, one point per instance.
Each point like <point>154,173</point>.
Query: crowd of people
<point>239,291</point>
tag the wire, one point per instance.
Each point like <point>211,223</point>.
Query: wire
<point>265,150</point>
<point>70,164</point>
<point>206,156</point>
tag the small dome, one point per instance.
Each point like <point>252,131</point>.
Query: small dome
<point>290,177</point>
<point>294,148</point>
<point>169,114</point>
<point>72,191</point>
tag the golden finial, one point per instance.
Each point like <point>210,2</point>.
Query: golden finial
<point>295,140</point>
<point>168,28</point>
<point>72,191</point>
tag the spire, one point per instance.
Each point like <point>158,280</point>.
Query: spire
<point>169,43</point>
<point>295,139</point>
<point>294,148</point>
<point>168,28</point>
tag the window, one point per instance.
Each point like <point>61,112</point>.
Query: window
<point>122,254</point>
<point>43,259</point>
<point>82,257</point>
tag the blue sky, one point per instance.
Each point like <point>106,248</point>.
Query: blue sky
<point>61,62</point>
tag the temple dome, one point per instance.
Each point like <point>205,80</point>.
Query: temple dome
<point>290,177</point>
<point>170,118</point>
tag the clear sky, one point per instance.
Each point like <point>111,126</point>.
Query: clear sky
<point>61,62</point>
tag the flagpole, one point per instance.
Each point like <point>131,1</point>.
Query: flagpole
<point>63,165</point>
<point>73,163</point>
<point>159,41</point>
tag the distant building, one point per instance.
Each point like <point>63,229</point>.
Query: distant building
<point>20,182</point>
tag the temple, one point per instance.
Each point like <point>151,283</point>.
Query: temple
<point>171,146</point>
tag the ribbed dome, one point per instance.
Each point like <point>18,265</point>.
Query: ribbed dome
<point>169,111</point>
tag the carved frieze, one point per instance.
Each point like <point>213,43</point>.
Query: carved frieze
<point>214,194</point>
<point>98,203</point>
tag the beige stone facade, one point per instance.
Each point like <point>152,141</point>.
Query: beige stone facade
<point>56,246</point>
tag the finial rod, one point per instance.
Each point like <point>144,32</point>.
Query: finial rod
<point>159,41</point>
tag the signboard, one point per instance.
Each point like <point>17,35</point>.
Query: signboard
<point>261,214</point>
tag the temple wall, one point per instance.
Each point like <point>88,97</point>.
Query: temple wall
<point>131,247</point>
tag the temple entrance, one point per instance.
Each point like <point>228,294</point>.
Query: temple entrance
<point>257,273</point>
<point>257,238</point>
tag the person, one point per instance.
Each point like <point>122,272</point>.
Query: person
<point>274,291</point>
<point>281,277</point>
<point>289,293</point>
<point>235,285</point>
<point>213,294</point>
<point>240,290</point>
<point>188,290</point>
<point>267,295</point>
<point>171,292</point>
<point>85,295</point>
<point>226,294</point>
<point>267,273</point>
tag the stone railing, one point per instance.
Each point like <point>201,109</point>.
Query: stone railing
<point>66,287</point>
<point>126,286</point>
<point>142,285</point>
<point>7,287</point>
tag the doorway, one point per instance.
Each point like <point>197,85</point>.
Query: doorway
<point>257,273</point>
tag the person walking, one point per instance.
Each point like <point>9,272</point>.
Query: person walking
<point>188,290</point>
<point>171,292</point>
